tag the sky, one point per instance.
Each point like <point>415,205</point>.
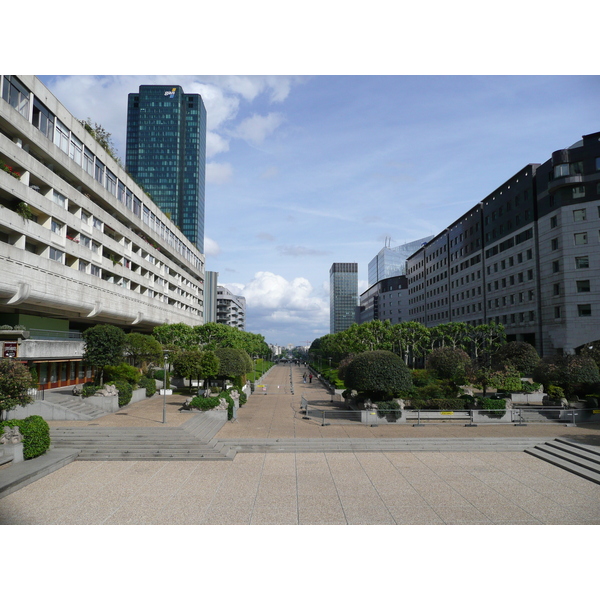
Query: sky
<point>376,133</point>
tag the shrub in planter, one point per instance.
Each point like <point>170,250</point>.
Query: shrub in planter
<point>125,390</point>
<point>449,363</point>
<point>149,384</point>
<point>389,410</point>
<point>89,389</point>
<point>36,434</point>
<point>122,372</point>
<point>204,403</point>
<point>521,355</point>
<point>160,375</point>
<point>495,406</point>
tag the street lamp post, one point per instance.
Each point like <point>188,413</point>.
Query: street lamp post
<point>166,356</point>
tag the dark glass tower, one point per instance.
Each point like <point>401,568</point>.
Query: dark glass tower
<point>343,296</point>
<point>166,153</point>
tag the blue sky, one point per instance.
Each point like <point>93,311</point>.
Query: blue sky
<point>304,171</point>
<point>332,128</point>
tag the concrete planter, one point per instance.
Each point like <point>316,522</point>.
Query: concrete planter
<point>535,398</point>
<point>137,395</point>
<point>371,417</point>
<point>438,415</point>
<point>109,404</point>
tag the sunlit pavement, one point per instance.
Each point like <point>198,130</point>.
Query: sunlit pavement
<point>312,488</point>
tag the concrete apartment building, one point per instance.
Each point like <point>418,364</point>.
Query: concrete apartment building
<point>80,242</point>
<point>231,309</point>
<point>526,256</point>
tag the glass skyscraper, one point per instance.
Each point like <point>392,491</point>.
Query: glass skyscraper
<point>166,153</point>
<point>343,296</point>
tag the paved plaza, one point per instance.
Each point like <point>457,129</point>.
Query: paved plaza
<point>318,488</point>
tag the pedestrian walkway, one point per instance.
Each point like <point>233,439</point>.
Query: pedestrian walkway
<point>317,487</point>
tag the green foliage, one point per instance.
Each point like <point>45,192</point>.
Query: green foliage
<point>449,363</point>
<point>439,403</point>
<point>15,381</point>
<point>495,406</point>
<point>555,392</point>
<point>233,362</point>
<point>103,137</point>
<point>123,372</point>
<point>521,355</point>
<point>125,390</point>
<point>160,375</point>
<point>389,410</point>
<point>150,385</point>
<point>36,435</point>
<point>176,336</point>
<point>529,388</point>
<point>103,346</point>
<point>506,380</point>
<point>143,349</point>
<point>380,373</point>
<point>88,390</point>
<point>202,403</point>
<point>576,374</point>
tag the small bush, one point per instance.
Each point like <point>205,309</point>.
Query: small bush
<point>160,375</point>
<point>36,435</point>
<point>556,392</point>
<point>204,403</point>
<point>122,372</point>
<point>125,390</point>
<point>149,384</point>
<point>495,406</point>
<point>89,389</point>
<point>389,410</point>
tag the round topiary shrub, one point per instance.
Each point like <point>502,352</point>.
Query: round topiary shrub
<point>36,435</point>
<point>521,355</point>
<point>380,374</point>
<point>449,363</point>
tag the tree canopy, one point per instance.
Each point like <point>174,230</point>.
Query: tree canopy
<point>104,346</point>
<point>15,381</point>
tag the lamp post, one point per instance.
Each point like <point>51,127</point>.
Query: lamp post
<point>165,356</point>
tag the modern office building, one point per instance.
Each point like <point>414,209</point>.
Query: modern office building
<point>386,300</point>
<point>343,296</point>
<point>527,256</point>
<point>211,279</point>
<point>231,309</point>
<point>166,153</point>
<point>391,262</point>
<point>80,241</point>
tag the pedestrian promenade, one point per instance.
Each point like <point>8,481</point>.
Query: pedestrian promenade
<point>356,487</point>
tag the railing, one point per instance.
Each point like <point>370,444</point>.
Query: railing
<point>51,334</point>
<point>467,418</point>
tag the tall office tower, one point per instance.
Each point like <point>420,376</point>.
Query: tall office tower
<point>391,262</point>
<point>343,296</point>
<point>166,153</point>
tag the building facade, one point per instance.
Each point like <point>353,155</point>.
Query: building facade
<point>166,153</point>
<point>391,262</point>
<point>343,296</point>
<point>211,279</point>
<point>386,300</point>
<point>80,241</point>
<point>527,256</point>
<point>231,309</point>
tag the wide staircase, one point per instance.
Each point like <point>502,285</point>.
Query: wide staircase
<point>191,441</point>
<point>580,459</point>
<point>74,407</point>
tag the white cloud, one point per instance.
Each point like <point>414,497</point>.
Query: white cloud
<point>211,248</point>
<point>273,296</point>
<point>218,172</point>
<point>256,128</point>
<point>215,144</point>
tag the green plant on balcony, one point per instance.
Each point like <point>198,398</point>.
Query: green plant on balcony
<point>24,211</point>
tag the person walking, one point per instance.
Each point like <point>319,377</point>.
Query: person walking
<point>304,377</point>
<point>310,378</point>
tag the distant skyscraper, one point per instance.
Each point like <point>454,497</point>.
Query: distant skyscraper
<point>343,296</point>
<point>166,153</point>
<point>391,262</point>
<point>210,296</point>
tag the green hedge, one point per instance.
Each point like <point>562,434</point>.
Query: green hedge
<point>149,384</point>
<point>125,392</point>
<point>204,403</point>
<point>36,434</point>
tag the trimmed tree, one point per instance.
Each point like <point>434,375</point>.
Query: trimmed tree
<point>15,381</point>
<point>143,349</point>
<point>521,355</point>
<point>195,364</point>
<point>103,347</point>
<point>449,363</point>
<point>380,374</point>
<point>233,363</point>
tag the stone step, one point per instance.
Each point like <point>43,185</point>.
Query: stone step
<point>567,455</point>
<point>567,465</point>
<point>576,451</point>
